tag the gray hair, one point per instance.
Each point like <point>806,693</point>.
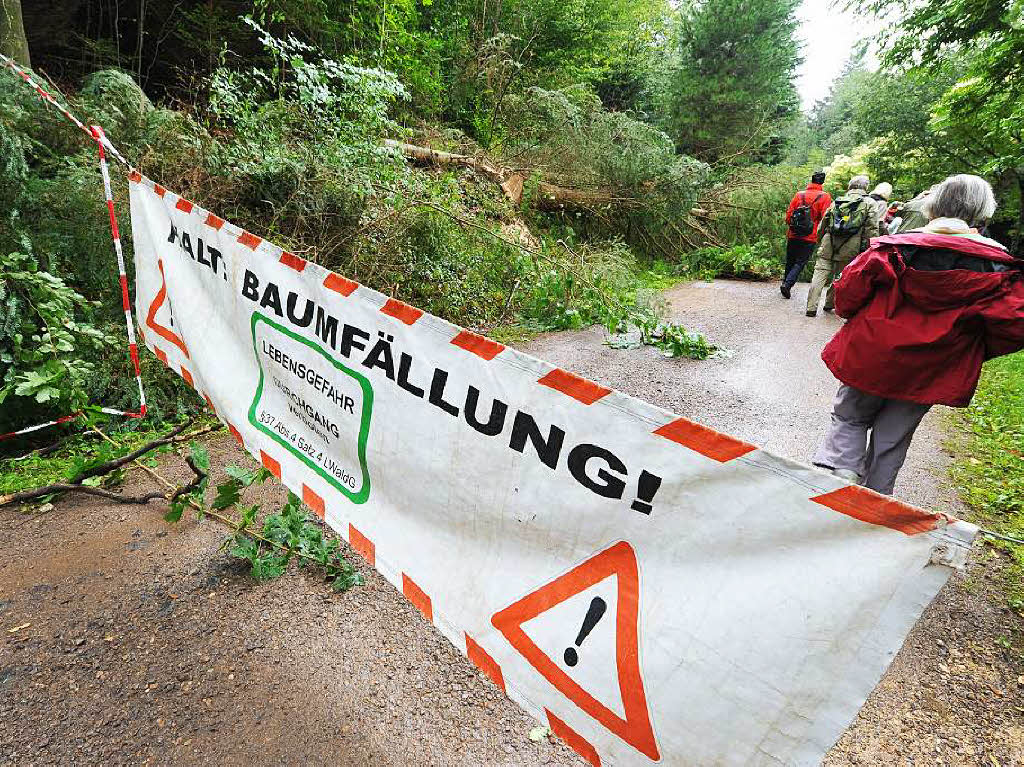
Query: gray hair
<point>859,182</point>
<point>963,196</point>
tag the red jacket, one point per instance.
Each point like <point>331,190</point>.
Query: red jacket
<point>922,335</point>
<point>819,201</point>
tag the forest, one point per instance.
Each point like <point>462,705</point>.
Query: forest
<point>510,165</point>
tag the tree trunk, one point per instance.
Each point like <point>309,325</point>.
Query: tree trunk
<point>13,42</point>
<point>1015,247</point>
<point>549,197</point>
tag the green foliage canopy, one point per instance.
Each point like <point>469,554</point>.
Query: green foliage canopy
<point>728,89</point>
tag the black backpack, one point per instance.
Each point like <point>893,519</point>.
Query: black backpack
<point>801,223</point>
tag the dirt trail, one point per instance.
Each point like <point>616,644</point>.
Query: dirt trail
<point>148,646</point>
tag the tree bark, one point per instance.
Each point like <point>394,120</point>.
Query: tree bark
<point>1015,248</point>
<point>13,42</point>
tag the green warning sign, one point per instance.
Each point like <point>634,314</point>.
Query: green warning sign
<point>313,406</point>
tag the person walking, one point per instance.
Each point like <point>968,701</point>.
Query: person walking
<point>805,212</point>
<point>880,195</point>
<point>911,214</point>
<point>844,232</point>
<point>924,310</point>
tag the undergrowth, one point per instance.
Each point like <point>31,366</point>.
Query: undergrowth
<point>74,454</point>
<point>291,148</point>
<point>989,467</point>
<point>752,262</point>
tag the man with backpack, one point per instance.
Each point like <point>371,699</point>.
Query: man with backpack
<point>805,213</point>
<point>844,233</point>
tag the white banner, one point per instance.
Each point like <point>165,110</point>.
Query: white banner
<point>652,589</point>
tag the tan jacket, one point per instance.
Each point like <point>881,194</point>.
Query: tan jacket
<point>848,248</point>
<point>912,215</point>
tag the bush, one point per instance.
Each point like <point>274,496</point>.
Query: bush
<point>48,348</point>
<point>753,206</point>
<point>598,286</point>
<point>752,262</point>
<point>643,189</point>
<point>450,270</point>
<point>114,100</point>
<point>989,466</point>
<point>302,137</point>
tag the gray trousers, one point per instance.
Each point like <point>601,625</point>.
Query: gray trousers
<point>876,459</point>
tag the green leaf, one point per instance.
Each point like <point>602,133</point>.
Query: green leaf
<point>269,566</point>
<point>228,494</point>
<point>175,512</point>
<point>261,475</point>
<point>244,476</point>
<point>200,456</point>
<point>244,548</point>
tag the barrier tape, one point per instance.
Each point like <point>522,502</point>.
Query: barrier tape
<point>62,419</point>
<point>133,349</point>
<point>96,134</point>
<point>52,101</point>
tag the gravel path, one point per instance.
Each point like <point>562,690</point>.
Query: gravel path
<point>146,645</point>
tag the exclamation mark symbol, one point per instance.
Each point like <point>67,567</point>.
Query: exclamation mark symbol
<point>647,486</point>
<point>594,613</point>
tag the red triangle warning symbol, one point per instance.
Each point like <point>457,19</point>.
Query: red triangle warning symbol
<point>620,561</point>
<point>165,333</point>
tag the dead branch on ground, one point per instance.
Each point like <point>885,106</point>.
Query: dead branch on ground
<point>75,484</point>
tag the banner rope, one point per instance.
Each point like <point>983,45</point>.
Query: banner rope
<point>129,322</point>
<point>95,133</point>
<point>50,99</point>
<point>1000,536</point>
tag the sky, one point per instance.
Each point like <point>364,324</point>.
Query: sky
<point>828,35</point>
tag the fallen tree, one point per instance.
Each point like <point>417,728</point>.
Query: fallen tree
<point>692,230</point>
<point>512,181</point>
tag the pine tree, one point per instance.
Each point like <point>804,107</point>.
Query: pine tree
<point>728,90</point>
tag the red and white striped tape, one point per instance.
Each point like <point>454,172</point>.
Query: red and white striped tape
<point>43,93</point>
<point>103,144</point>
<point>52,101</point>
<point>133,349</point>
<point>62,419</point>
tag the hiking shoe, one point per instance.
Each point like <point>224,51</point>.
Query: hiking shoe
<point>812,314</point>
<point>827,309</point>
<point>848,474</point>
<point>784,290</point>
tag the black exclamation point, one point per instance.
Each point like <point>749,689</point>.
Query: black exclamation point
<point>594,613</point>
<point>646,487</point>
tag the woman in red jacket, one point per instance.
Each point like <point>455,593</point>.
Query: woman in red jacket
<point>925,309</point>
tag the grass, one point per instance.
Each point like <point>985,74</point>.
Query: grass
<point>989,467</point>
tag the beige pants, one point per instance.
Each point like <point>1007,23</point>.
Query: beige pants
<point>825,271</point>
